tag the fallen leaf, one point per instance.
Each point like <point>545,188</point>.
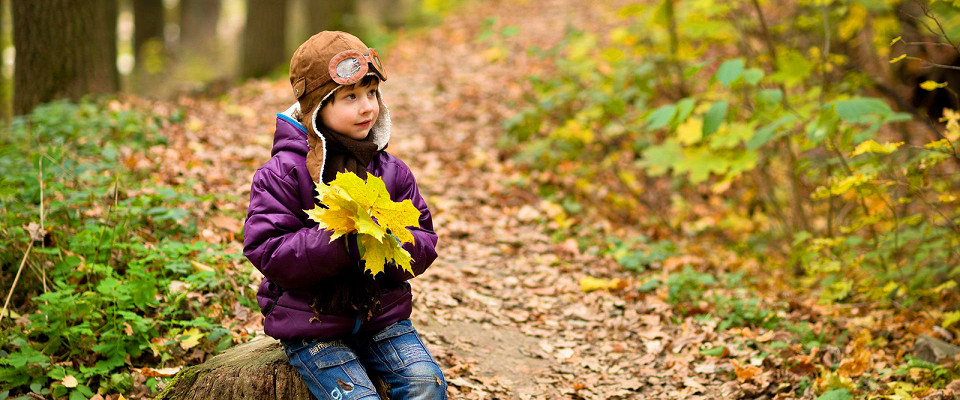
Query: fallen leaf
<point>745,373</point>
<point>69,381</point>
<point>589,284</point>
<point>190,338</point>
<point>159,373</point>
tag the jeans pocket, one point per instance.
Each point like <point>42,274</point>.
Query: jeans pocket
<point>333,372</point>
<point>399,346</point>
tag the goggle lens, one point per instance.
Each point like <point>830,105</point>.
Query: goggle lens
<point>348,68</point>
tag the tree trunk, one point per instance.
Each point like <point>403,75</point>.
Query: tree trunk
<point>65,49</point>
<point>4,85</point>
<point>148,28</point>
<point>198,25</point>
<point>257,369</point>
<point>330,16</point>
<point>263,37</point>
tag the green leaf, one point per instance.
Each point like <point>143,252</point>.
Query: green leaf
<point>753,76</point>
<point>769,97</point>
<point>767,133</point>
<point>649,285</point>
<point>730,71</point>
<point>661,116</point>
<point>836,394</point>
<point>701,162</point>
<point>510,30</point>
<point>657,160</point>
<point>861,109</point>
<point>684,108</point>
<point>713,351</point>
<point>714,117</point>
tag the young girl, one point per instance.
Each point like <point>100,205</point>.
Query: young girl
<point>336,322</point>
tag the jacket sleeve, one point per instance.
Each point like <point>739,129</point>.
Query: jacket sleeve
<point>423,249</point>
<point>277,242</point>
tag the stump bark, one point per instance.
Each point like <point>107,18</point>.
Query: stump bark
<point>257,369</point>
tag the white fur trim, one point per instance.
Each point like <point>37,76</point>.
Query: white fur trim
<point>381,128</point>
<point>323,141</point>
<point>289,112</point>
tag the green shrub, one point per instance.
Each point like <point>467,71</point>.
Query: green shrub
<point>109,301</point>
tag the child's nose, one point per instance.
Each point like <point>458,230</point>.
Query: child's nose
<point>367,105</point>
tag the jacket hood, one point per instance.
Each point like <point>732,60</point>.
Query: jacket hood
<point>290,134</point>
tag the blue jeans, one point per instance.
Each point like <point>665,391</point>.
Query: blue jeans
<point>337,369</point>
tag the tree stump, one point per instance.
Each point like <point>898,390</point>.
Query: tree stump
<point>257,369</point>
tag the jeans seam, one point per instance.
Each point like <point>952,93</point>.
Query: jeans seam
<point>312,377</point>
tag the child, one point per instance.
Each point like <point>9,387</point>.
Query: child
<point>335,321</point>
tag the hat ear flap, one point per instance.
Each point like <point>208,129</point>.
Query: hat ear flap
<point>315,158</point>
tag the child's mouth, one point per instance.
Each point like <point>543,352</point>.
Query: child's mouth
<point>363,124</point>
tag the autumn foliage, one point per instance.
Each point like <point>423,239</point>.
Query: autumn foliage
<point>354,205</point>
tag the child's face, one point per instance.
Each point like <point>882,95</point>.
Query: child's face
<point>353,112</point>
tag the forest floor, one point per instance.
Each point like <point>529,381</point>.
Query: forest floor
<point>502,309</point>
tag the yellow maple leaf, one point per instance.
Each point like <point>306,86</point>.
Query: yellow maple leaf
<point>364,193</point>
<point>339,218</point>
<point>364,206</point>
<point>397,217</point>
<point>377,254</point>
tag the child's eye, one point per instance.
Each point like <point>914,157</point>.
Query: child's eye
<point>372,92</point>
<point>350,96</point>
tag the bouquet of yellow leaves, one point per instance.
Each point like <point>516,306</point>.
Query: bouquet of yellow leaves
<point>365,207</point>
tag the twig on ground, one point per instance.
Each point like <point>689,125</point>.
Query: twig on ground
<point>15,279</point>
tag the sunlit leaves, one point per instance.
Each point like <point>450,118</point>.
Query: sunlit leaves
<point>933,85</point>
<point>870,146</point>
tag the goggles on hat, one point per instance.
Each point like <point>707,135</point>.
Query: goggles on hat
<point>348,67</point>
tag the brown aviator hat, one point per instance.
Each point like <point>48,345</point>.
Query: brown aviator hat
<point>320,66</point>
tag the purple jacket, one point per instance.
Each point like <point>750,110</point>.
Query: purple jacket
<point>294,256</point>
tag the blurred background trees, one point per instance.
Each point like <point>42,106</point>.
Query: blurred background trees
<point>56,49</point>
